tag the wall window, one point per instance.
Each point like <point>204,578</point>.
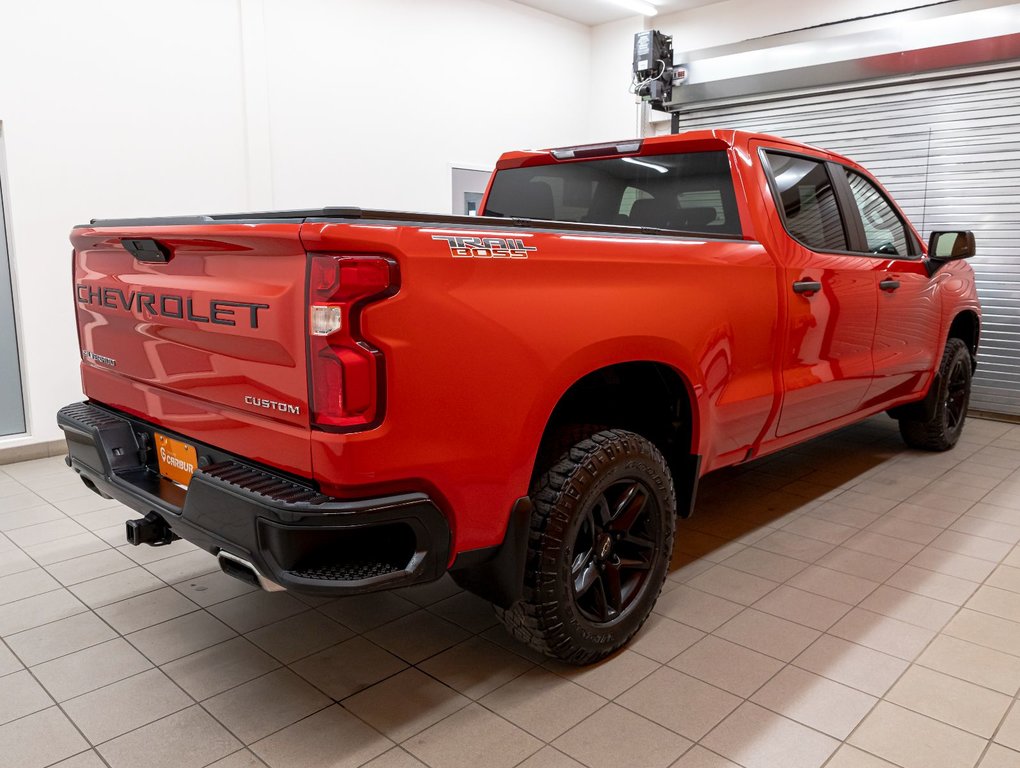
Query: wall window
<point>808,202</point>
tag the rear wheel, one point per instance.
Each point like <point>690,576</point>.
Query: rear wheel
<point>943,429</point>
<point>600,543</point>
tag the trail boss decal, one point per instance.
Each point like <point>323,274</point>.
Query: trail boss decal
<point>486,247</point>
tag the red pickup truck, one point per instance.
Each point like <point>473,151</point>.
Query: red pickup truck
<point>340,400</point>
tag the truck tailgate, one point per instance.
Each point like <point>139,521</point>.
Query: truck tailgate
<point>200,329</point>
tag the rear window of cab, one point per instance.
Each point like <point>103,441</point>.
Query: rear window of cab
<point>688,192</point>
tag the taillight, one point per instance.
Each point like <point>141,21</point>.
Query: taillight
<point>346,380</point>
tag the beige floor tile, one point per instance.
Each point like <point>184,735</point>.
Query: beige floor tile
<point>996,514</point>
<point>699,757</point>
<point>854,665</point>
<point>543,703</point>
<point>146,610</point>
<point>881,633</point>
<point>983,629</point>
<point>786,542</point>
<point>282,699</point>
<point>1000,757</point>
<point>815,701</point>
<point>989,529</point>
<point>180,637</point>
<point>951,700</point>
<point>89,669</point>
<point>1009,731</point>
<point>405,704</point>
<point>609,677</point>
<point>8,661</point>
<point>115,587</point>
<point>860,563</point>
<point>953,564</point>
<point>974,663</point>
<point>43,533</point>
<point>92,566</point>
<point>472,737</point>
<point>841,513</point>
<point>188,565</point>
<point>767,565</point>
<point>822,530</point>
<point>59,638</point>
<point>768,634</point>
<point>349,667</point>
<point>550,757</point>
<point>915,741</point>
<point>213,588</point>
<point>90,759</point>
<point>256,609</point>
<point>60,550</point>
<point>331,738</point>
<point>851,757</point>
<point>298,636</point>
<point>737,586</point>
<point>909,607</point>
<point>925,515</point>
<point>467,611</point>
<point>125,705</point>
<point>972,546</point>
<point>219,668</point>
<point>15,561</point>
<point>1005,577</point>
<point>398,757</point>
<point>24,584</point>
<point>998,602</point>
<point>35,611</point>
<point>726,665</point>
<point>802,607</point>
<point>938,586</point>
<point>696,608</point>
<point>417,636</point>
<point>679,702</point>
<point>476,667</point>
<point>832,584</point>
<point>39,740</point>
<point>187,739</point>
<point>865,502</point>
<point>22,695</point>
<point>757,738</point>
<point>908,530</point>
<point>594,742</point>
<point>364,612</point>
<point>662,638</point>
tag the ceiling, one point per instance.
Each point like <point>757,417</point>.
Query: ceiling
<point>594,12</point>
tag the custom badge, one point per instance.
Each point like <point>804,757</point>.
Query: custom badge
<point>486,247</point>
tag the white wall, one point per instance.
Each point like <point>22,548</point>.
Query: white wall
<point>134,107</point>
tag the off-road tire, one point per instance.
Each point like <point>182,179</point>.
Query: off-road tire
<point>569,499</point>
<point>943,429</point>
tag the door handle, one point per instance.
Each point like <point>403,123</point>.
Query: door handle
<point>889,285</point>
<point>807,287</point>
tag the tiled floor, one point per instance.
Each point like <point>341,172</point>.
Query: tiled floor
<point>848,604</point>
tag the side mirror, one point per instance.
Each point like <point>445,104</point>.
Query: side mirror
<point>949,246</point>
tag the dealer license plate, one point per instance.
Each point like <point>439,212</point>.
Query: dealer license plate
<point>177,459</point>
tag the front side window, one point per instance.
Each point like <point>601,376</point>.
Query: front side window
<point>883,228</point>
<point>808,201</point>
<point>688,192</point>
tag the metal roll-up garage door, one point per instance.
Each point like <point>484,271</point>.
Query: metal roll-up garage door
<point>948,150</point>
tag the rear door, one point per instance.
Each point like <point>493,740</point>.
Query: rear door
<point>908,316</point>
<point>826,359</point>
<point>200,329</point>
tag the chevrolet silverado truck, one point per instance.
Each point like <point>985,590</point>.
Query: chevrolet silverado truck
<point>338,401</point>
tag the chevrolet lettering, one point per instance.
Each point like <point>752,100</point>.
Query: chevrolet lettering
<point>216,311</point>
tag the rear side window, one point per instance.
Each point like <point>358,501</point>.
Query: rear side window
<point>690,192</point>
<point>883,228</point>
<point>807,201</point>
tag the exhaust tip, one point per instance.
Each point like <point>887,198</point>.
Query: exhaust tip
<point>241,569</point>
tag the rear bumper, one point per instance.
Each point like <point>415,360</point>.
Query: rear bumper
<point>293,535</point>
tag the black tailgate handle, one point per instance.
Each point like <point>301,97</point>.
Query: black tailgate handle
<point>147,249</point>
